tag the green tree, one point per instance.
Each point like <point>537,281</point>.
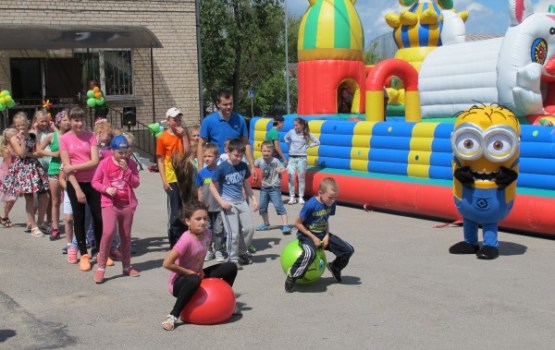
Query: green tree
<point>371,56</point>
<point>242,48</point>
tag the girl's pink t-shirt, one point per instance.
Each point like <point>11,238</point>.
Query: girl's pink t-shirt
<point>117,181</point>
<point>79,149</point>
<point>191,253</point>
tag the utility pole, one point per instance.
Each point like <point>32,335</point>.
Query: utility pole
<point>286,57</point>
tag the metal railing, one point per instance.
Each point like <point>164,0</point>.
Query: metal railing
<point>145,142</point>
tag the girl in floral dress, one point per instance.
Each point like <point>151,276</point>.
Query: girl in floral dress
<point>9,157</point>
<point>26,176</point>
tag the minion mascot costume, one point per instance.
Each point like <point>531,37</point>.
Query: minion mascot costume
<point>485,142</point>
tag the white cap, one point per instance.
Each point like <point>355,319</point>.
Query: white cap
<point>173,112</point>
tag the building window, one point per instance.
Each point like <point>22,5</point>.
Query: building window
<point>111,68</point>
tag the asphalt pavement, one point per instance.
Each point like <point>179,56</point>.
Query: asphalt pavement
<point>401,290</point>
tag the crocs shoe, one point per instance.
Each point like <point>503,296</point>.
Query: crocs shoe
<point>99,275</point>
<point>85,263</point>
<point>263,227</point>
<point>251,249</point>
<point>286,230</point>
<point>72,255</point>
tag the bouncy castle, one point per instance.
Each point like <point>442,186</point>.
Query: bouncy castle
<point>404,164</point>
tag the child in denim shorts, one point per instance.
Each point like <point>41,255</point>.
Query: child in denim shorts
<point>270,192</point>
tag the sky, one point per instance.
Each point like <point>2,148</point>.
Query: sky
<point>485,16</point>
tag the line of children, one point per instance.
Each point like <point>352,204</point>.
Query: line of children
<point>71,153</point>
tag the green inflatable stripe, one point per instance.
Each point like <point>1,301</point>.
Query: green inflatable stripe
<point>311,27</point>
<point>342,30</point>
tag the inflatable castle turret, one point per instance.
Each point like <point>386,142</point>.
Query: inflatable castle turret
<point>331,58</point>
<point>420,29</point>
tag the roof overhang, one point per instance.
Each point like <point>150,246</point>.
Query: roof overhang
<point>44,37</point>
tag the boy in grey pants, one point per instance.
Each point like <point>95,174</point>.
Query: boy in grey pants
<point>228,182</point>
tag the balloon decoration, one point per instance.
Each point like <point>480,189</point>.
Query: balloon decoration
<point>157,128</point>
<point>95,97</point>
<point>46,105</point>
<point>6,100</point>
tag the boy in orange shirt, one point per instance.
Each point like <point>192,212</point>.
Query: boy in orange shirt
<point>175,139</point>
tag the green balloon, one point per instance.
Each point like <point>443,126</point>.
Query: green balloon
<point>158,134</point>
<point>91,102</point>
<point>5,93</point>
<point>290,254</point>
<point>2,107</point>
<point>154,128</point>
<point>99,101</point>
<point>10,103</point>
<point>90,93</point>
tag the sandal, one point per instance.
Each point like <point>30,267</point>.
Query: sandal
<point>169,323</point>
<point>6,222</point>
<point>36,232</point>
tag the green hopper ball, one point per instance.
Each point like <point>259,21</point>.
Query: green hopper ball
<point>290,254</point>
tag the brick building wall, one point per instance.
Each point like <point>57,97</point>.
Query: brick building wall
<point>175,65</point>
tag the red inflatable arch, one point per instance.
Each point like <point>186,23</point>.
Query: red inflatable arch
<point>375,82</point>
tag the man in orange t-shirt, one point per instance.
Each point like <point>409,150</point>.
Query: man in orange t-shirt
<point>175,139</point>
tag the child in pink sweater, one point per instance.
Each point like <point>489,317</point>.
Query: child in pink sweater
<point>115,178</point>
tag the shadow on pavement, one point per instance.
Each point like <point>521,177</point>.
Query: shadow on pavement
<point>148,245</point>
<point>5,334</point>
<point>509,248</point>
<point>265,243</point>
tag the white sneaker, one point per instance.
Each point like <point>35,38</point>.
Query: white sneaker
<point>292,200</point>
<point>219,256</point>
<point>301,200</point>
<point>209,256</point>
